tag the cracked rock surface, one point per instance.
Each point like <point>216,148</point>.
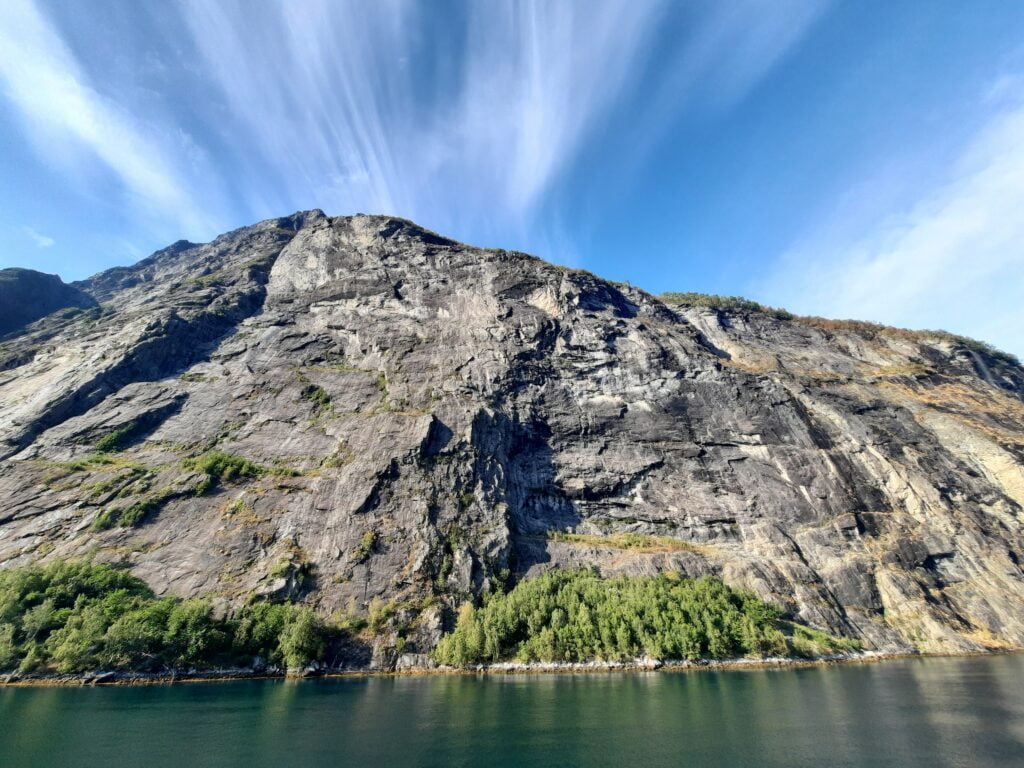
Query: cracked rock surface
<point>429,420</point>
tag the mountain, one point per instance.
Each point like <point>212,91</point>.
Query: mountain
<point>27,295</point>
<point>359,414</point>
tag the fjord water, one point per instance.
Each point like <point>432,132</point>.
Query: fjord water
<point>922,712</point>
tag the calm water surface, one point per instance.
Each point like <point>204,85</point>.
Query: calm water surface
<point>926,712</point>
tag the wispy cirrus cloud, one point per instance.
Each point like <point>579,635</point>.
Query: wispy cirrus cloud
<point>730,47</point>
<point>41,241</point>
<point>952,259</point>
<point>466,123</point>
<point>65,115</point>
<point>315,118</point>
<point>340,108</point>
<point>537,76</point>
<point>469,124</point>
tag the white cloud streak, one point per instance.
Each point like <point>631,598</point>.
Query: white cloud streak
<point>955,258</point>
<point>41,77</point>
<point>735,45</point>
<point>336,110</point>
<point>333,96</point>
<point>466,125</point>
<point>41,241</point>
<point>536,78</point>
<point>317,110</point>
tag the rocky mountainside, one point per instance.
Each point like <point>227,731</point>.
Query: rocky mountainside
<point>27,295</point>
<point>355,412</point>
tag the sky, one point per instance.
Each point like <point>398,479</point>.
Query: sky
<point>855,159</point>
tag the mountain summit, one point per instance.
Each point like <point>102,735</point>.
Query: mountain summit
<point>362,415</point>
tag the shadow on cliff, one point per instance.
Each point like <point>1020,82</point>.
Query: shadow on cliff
<point>516,466</point>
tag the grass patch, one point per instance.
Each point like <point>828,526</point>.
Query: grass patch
<point>342,455</point>
<point>221,467</point>
<point>859,327</point>
<point>94,461</point>
<point>293,565</point>
<point>127,482</point>
<point>117,440</point>
<point>808,643</point>
<point>638,542</point>
<point>132,515</point>
<point>279,469</point>
<point>318,397</point>
<point>732,303</point>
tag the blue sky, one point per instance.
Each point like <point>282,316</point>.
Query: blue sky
<point>849,159</point>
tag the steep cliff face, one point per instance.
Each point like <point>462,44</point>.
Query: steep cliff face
<point>427,418</point>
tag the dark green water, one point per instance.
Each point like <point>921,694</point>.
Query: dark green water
<point>928,712</point>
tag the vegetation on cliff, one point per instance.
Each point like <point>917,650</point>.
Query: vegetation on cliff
<point>579,616</point>
<point>76,616</point>
<point>218,466</point>
<point>860,327</point>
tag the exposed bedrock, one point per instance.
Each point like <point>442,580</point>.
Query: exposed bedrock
<point>434,419</point>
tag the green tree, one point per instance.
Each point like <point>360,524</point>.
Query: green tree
<point>192,636</point>
<point>8,650</point>
<point>578,615</point>
<point>302,639</point>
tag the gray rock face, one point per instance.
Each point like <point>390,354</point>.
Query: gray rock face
<point>428,413</point>
<point>27,295</point>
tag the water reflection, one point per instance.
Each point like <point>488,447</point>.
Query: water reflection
<point>929,712</point>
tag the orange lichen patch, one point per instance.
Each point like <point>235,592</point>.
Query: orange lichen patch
<point>985,638</point>
<point>907,369</point>
<point>635,542</point>
<point>988,410</point>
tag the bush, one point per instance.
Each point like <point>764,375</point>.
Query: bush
<point>280,634</point>
<point>367,544</point>
<point>218,466</point>
<point>75,616</point>
<point>318,397</point>
<point>136,638</point>
<point>302,639</point>
<point>7,647</point>
<point>577,616</point>
<point>733,303</point>
<point>258,630</point>
<point>192,637</point>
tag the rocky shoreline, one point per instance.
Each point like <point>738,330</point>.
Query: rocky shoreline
<point>110,677</point>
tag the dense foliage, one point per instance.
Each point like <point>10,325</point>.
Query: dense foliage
<point>578,616</point>
<point>76,616</point>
